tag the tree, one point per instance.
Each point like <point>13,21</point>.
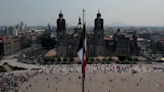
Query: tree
<point>104,59</point>
<point>97,59</point>
<point>122,57</point>
<point>65,59</point>
<point>47,41</point>
<point>59,59</point>
<point>1,57</point>
<point>71,59</point>
<point>135,59</point>
<point>46,59</point>
<point>52,59</point>
<point>110,59</point>
<point>92,59</point>
<point>129,58</point>
<point>25,43</point>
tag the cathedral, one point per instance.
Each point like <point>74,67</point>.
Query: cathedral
<point>97,44</point>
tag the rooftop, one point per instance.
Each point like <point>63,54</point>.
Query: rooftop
<point>50,53</point>
<point>109,38</point>
<point>90,32</point>
<point>79,26</point>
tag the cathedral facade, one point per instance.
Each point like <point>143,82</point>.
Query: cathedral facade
<point>97,45</point>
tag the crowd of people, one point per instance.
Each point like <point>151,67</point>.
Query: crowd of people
<point>10,82</point>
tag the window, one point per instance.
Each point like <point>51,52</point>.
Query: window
<point>60,36</point>
<point>99,36</point>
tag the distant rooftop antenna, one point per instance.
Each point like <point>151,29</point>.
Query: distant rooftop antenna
<point>60,11</point>
<point>98,10</point>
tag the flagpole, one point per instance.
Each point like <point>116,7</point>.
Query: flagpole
<point>83,56</point>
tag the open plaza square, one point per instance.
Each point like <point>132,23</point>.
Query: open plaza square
<point>98,78</point>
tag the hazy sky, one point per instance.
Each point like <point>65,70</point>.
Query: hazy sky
<point>42,12</point>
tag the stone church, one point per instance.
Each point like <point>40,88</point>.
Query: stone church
<point>97,45</point>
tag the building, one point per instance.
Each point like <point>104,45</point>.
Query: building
<point>62,38</point>
<point>21,24</point>
<point>49,27</point>
<point>160,45</point>
<point>11,31</point>
<point>9,46</point>
<point>25,26</point>
<point>130,33</point>
<point>21,28</point>
<point>119,44</point>
<point>18,27</point>
<point>154,37</point>
<point>79,27</point>
<point>145,36</point>
<point>6,31</point>
<point>25,39</point>
<point>97,44</point>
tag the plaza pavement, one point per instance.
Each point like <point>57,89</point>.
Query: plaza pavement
<point>96,83</point>
<point>99,81</point>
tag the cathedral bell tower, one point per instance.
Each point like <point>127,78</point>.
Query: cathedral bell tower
<point>98,30</point>
<point>98,22</point>
<point>61,28</point>
<point>99,35</point>
<point>61,36</point>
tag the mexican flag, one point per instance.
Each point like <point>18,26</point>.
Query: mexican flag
<point>82,50</point>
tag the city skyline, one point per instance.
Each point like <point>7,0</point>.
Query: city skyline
<point>41,12</point>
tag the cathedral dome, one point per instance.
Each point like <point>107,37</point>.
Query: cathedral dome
<point>117,34</point>
<point>79,26</point>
